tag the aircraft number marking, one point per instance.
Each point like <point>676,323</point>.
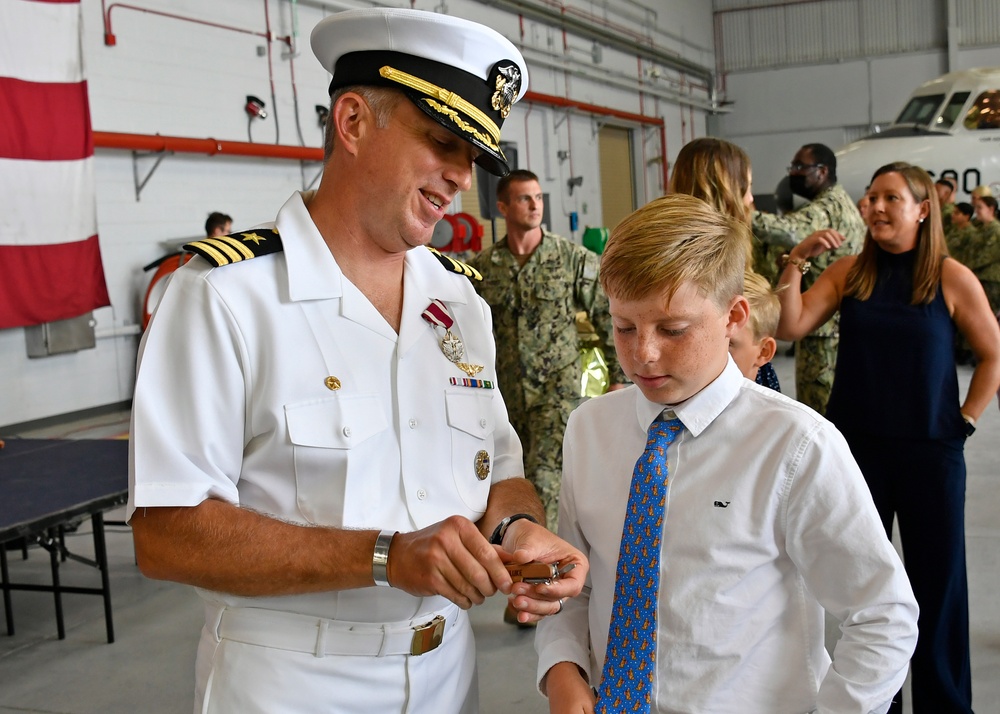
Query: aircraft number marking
<point>970,178</point>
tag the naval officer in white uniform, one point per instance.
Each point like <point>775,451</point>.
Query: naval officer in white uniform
<point>318,441</point>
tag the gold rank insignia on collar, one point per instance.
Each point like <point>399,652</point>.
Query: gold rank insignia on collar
<point>455,266</point>
<point>236,247</point>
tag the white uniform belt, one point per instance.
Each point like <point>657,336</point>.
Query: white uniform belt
<point>322,636</point>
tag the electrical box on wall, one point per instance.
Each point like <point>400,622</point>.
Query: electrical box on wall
<point>52,338</point>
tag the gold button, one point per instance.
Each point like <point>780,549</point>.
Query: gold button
<point>332,383</point>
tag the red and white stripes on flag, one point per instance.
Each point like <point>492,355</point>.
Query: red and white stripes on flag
<point>50,260</point>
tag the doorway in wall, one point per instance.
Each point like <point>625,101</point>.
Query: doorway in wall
<point>615,152</point>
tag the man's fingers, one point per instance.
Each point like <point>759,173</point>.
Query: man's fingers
<point>450,558</point>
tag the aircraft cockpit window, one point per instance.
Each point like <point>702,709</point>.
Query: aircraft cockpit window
<point>920,110</point>
<point>985,111</point>
<point>952,110</point>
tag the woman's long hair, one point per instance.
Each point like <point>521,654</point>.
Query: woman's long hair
<point>931,247</point>
<point>715,171</point>
<point>718,173</point>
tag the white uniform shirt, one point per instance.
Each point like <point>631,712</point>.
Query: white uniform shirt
<point>768,521</point>
<point>231,403</point>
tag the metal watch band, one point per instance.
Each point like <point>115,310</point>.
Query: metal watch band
<point>501,530</point>
<point>380,558</point>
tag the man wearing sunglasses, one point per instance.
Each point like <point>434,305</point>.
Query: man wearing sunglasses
<point>813,176</point>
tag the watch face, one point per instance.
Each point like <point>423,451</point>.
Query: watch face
<point>970,429</point>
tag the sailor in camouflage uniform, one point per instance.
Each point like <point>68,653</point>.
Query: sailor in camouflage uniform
<point>959,233</point>
<point>983,256</point>
<point>946,188</point>
<point>536,282</point>
<point>813,175</point>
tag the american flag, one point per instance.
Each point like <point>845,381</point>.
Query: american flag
<point>50,260</point>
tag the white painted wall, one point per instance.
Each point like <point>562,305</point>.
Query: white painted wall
<point>180,78</point>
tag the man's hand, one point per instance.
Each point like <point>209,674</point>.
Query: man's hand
<point>450,558</point>
<point>526,541</point>
<point>818,243</point>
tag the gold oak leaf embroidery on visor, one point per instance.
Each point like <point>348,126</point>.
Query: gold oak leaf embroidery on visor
<point>462,124</point>
<point>443,95</point>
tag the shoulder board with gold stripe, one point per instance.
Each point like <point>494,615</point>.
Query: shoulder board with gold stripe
<point>237,247</point>
<point>455,266</point>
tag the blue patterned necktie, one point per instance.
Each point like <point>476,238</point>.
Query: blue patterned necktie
<point>630,661</point>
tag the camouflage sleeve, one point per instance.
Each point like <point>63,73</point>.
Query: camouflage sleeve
<point>984,249</point>
<point>477,261</point>
<point>590,297</point>
<point>790,229</point>
<point>481,262</point>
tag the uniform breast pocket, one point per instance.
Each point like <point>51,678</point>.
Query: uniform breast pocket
<point>472,424</point>
<point>334,442</point>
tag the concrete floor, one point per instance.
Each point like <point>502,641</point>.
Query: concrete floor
<point>149,668</point>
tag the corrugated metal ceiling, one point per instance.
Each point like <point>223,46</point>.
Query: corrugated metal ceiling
<point>761,33</point>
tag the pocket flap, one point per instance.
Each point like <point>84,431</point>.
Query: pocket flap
<point>471,411</point>
<point>335,423</point>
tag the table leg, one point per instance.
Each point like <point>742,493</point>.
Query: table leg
<point>53,549</point>
<point>8,610</point>
<point>101,555</point>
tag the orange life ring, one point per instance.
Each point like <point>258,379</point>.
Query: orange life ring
<point>157,284</point>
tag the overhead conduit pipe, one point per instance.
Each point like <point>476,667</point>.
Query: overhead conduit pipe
<point>110,39</point>
<point>212,147</point>
<point>181,144</point>
<point>608,33</point>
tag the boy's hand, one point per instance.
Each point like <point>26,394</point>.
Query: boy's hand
<point>568,691</point>
<point>525,542</point>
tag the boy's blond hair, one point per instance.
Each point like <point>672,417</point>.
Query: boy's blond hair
<point>672,240</point>
<point>765,307</point>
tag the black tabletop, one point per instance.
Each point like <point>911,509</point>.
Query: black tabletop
<point>44,482</point>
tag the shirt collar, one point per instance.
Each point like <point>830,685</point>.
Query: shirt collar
<point>700,410</point>
<point>426,277</point>
<point>313,273</point>
<point>503,254</point>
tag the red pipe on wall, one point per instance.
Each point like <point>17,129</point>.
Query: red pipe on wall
<point>555,101</point>
<point>111,40</point>
<point>663,144</point>
<point>211,147</point>
<point>181,144</point>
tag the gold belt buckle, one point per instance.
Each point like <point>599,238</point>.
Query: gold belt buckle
<point>427,637</point>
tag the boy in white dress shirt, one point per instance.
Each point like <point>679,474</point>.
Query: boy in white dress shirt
<point>767,518</point>
<point>754,345</point>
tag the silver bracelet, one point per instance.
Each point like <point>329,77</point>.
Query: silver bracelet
<point>380,558</point>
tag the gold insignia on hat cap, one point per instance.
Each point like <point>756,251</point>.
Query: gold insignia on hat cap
<point>463,75</point>
<point>507,84</point>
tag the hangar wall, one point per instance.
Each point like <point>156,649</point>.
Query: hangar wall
<point>830,71</point>
<point>184,68</point>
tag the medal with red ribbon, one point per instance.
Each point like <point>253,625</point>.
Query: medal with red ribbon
<point>438,316</point>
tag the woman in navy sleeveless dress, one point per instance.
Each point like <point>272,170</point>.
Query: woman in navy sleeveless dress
<point>896,399</point>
